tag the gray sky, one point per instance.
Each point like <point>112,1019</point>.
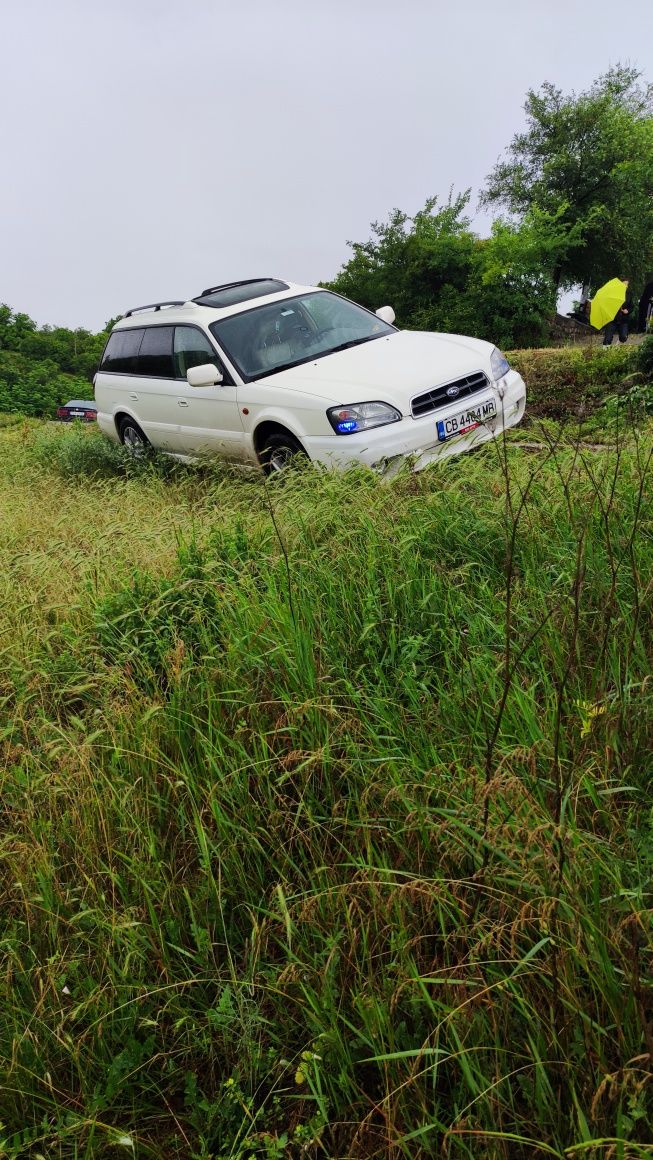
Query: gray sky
<point>150,148</point>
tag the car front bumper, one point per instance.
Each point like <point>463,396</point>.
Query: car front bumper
<point>417,439</point>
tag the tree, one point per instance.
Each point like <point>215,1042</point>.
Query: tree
<point>510,296</point>
<point>43,366</point>
<point>409,260</point>
<point>586,161</point>
<point>438,275</point>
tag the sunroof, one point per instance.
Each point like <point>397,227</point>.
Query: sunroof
<point>235,292</point>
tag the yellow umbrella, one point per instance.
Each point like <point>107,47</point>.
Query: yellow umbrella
<point>606,302</point>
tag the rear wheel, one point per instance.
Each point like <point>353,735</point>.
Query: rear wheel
<point>279,450</point>
<point>132,437</point>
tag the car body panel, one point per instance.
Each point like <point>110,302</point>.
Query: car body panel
<point>151,402</point>
<point>211,421</point>
<point>417,439</point>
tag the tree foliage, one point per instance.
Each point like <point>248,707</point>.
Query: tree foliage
<point>408,260</point>
<point>438,275</point>
<point>586,161</point>
<point>41,367</point>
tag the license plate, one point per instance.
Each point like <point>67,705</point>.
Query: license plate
<point>76,414</point>
<point>466,420</point>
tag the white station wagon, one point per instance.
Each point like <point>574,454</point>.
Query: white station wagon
<point>262,370</point>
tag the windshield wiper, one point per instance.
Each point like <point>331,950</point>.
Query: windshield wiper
<point>351,342</point>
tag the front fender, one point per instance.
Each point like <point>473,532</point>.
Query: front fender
<point>302,423</point>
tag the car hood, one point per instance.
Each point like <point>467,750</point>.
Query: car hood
<point>391,369</point>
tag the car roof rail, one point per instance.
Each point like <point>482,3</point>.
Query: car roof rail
<point>232,285</point>
<point>154,306</point>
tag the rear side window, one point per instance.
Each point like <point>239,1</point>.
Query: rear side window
<point>155,354</point>
<point>192,349</point>
<point>121,352</point>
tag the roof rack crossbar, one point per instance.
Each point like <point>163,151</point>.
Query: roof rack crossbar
<point>154,306</point>
<point>231,286</point>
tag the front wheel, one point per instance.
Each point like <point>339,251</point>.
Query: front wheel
<point>279,451</point>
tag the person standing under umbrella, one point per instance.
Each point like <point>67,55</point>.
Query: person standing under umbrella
<point>644,304</point>
<point>619,323</point>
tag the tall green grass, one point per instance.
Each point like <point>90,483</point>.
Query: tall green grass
<point>328,819</point>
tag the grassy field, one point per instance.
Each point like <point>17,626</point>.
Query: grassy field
<point>327,808</point>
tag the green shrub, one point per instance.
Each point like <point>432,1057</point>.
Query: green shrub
<point>145,624</point>
<point>645,357</point>
<point>78,451</point>
<point>632,406</point>
<point>36,388</point>
<point>563,382</point>
<point>11,420</point>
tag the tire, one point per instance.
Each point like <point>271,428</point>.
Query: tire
<point>132,437</point>
<point>279,451</point>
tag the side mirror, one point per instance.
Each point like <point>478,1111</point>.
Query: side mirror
<point>386,314</point>
<point>206,375</point>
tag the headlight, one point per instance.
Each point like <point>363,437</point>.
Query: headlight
<point>361,416</point>
<point>499,363</point>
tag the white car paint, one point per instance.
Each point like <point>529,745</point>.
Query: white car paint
<point>223,419</point>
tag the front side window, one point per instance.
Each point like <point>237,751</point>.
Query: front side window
<point>295,330</point>
<point>121,352</point>
<point>193,349</point>
<point>155,354</point>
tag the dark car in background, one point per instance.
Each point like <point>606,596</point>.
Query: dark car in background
<point>84,409</point>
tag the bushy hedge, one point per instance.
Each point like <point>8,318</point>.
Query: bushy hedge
<point>563,381</point>
<point>36,388</point>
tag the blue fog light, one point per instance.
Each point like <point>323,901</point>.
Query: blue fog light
<point>347,425</point>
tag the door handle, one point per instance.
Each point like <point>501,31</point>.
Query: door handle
<point>182,402</point>
<point>134,397</point>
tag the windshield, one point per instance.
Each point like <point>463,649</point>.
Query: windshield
<point>295,330</point>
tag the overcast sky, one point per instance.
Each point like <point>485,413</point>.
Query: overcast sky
<point>150,148</point>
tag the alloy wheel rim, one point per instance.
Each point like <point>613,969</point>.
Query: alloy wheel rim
<point>279,458</point>
<point>132,439</point>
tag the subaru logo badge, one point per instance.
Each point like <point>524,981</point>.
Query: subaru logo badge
<point>453,391</point>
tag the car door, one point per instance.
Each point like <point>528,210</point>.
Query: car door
<point>153,394</point>
<point>210,420</point>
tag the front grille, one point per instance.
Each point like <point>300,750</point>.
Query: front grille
<point>441,396</point>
